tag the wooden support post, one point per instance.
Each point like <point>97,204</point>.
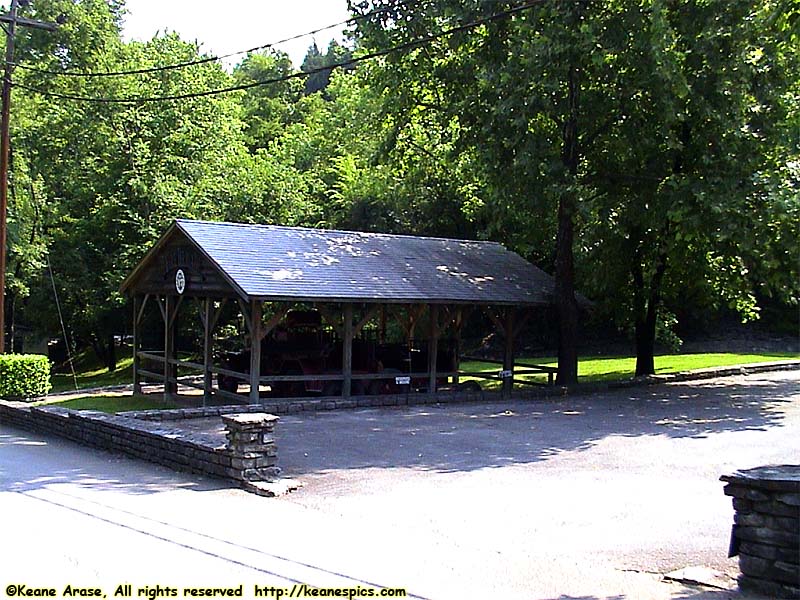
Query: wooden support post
<point>458,323</point>
<point>137,385</point>
<point>208,327</point>
<point>413,315</point>
<point>508,352</point>
<point>347,351</point>
<point>382,329</point>
<point>170,388</point>
<point>256,308</point>
<point>433,347</point>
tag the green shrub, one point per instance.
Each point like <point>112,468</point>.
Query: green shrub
<point>24,376</point>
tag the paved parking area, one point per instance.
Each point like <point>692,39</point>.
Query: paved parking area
<point>589,498</point>
<point>628,479</point>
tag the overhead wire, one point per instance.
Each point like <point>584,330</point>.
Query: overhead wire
<point>207,59</point>
<point>70,358</point>
<point>299,74</point>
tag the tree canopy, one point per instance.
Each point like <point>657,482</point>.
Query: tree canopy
<point>647,153</point>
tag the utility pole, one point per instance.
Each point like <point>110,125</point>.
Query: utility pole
<point>12,20</point>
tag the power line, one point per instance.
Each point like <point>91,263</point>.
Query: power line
<point>201,61</point>
<point>297,75</point>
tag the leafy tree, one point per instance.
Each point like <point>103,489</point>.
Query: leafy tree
<point>527,101</point>
<point>648,150</point>
<point>635,125</point>
<point>117,174</point>
<point>268,108</point>
<point>90,31</point>
<point>684,209</point>
<point>315,60</point>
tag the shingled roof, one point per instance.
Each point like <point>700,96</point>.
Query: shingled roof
<point>270,262</point>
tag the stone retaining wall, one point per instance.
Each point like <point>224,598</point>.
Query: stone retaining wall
<point>157,442</point>
<point>290,406</point>
<point>298,405</point>
<point>766,533</point>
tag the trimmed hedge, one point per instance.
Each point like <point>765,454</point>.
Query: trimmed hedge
<point>24,376</point>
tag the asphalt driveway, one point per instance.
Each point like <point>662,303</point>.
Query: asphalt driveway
<point>573,498</point>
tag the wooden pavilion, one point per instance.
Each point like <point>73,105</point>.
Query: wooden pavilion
<point>351,278</point>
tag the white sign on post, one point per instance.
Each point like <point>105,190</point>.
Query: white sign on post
<point>402,380</point>
<point>180,281</point>
<point>506,374</point>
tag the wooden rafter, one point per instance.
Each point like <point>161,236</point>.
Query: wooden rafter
<point>142,306</point>
<point>273,322</point>
<point>161,307</point>
<point>332,319</point>
<point>174,312</point>
<point>495,318</point>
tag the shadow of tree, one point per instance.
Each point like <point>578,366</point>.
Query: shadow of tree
<point>464,437</point>
<point>447,438</point>
<point>705,594</point>
<point>565,597</point>
<point>698,594</point>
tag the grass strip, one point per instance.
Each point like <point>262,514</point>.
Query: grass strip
<point>112,403</point>
<point>613,368</point>
<point>590,369</point>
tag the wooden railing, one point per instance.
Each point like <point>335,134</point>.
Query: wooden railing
<point>519,369</point>
<point>214,370</point>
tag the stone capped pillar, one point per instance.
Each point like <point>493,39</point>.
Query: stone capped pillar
<point>766,531</point>
<point>251,444</point>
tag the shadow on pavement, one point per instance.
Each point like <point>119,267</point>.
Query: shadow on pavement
<point>26,465</point>
<point>475,436</point>
<point>563,597</point>
<point>718,595</point>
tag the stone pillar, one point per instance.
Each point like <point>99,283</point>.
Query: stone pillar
<point>251,444</point>
<point>766,533</point>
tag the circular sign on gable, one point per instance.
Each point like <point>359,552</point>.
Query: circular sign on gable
<point>180,281</point>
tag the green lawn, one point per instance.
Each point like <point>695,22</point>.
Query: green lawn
<point>112,403</point>
<point>609,368</point>
<point>91,376</point>
<point>590,369</point>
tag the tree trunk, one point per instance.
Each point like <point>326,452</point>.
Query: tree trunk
<point>111,354</point>
<point>647,315</point>
<point>12,344</point>
<point>565,296</point>
<point>565,266</point>
<point>646,343</point>
<point>105,352</point>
